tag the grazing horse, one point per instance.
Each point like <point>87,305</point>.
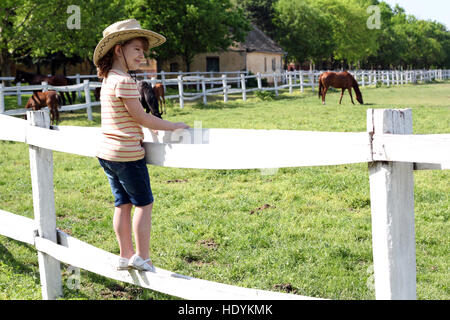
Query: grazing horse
<point>48,98</point>
<point>33,78</point>
<point>159,94</point>
<point>148,98</point>
<point>342,80</point>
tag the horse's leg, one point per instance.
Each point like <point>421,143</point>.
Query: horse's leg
<point>324,93</point>
<point>342,94</point>
<point>350,92</point>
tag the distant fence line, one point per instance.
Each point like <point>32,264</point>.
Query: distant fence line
<point>207,83</point>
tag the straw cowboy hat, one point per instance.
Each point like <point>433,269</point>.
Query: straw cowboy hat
<point>122,31</point>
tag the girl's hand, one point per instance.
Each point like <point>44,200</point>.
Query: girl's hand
<point>180,125</point>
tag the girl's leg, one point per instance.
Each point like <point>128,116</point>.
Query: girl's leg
<point>142,224</point>
<point>122,228</point>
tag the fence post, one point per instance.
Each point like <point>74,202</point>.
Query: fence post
<point>2,99</point>
<point>275,84</point>
<point>163,80</point>
<point>301,81</point>
<point>392,209</point>
<point>244,92</point>
<point>78,82</point>
<point>204,90</point>
<point>290,82</point>
<point>87,96</point>
<point>45,86</point>
<point>258,80</point>
<point>41,165</point>
<point>225,88</point>
<point>19,94</point>
<point>311,79</point>
<point>180,90</point>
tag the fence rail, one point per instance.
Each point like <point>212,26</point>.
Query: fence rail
<point>279,81</point>
<point>388,146</point>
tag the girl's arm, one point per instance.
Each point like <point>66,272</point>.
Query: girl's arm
<point>137,112</point>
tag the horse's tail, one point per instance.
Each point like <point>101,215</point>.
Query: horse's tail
<point>320,87</point>
<point>58,98</point>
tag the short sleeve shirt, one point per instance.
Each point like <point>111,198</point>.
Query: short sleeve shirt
<point>122,136</point>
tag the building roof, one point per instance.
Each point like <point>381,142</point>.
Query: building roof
<point>258,41</point>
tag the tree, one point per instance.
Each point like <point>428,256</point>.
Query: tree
<point>303,31</point>
<point>261,13</point>
<point>42,26</point>
<point>190,26</point>
<point>353,41</point>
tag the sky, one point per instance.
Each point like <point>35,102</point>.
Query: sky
<point>438,10</point>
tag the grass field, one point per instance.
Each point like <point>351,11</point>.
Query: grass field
<point>299,230</point>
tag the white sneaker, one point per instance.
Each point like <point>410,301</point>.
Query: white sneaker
<point>123,264</point>
<point>136,262</point>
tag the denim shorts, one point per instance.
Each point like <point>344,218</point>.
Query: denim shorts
<point>130,182</point>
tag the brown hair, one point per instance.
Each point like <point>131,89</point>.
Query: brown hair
<point>106,62</point>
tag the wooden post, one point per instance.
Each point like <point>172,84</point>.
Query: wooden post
<point>290,82</point>
<point>244,91</point>
<point>225,88</point>
<point>87,95</point>
<point>301,81</point>
<point>204,90</point>
<point>41,164</point>
<point>2,99</point>
<point>180,90</point>
<point>19,94</point>
<point>392,207</point>
<point>163,80</point>
<point>77,76</point>
<point>258,80</point>
<point>275,84</point>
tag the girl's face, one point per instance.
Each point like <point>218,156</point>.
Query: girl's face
<point>134,54</point>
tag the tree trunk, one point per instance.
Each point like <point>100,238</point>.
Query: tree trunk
<point>5,65</point>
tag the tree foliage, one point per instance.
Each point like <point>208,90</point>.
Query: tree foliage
<point>190,26</point>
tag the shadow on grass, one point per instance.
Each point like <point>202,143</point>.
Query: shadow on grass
<point>18,267</point>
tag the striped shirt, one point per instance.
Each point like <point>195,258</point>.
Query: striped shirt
<point>122,136</point>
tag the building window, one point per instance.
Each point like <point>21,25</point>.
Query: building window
<point>174,67</point>
<point>212,64</point>
<point>265,64</point>
<point>274,64</point>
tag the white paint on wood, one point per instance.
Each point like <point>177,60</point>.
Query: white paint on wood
<point>82,255</point>
<point>392,207</point>
<point>41,164</point>
<point>17,227</point>
<point>430,148</point>
<point>13,129</point>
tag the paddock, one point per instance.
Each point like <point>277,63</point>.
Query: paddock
<point>388,145</point>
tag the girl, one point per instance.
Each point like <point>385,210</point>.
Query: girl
<point>121,153</point>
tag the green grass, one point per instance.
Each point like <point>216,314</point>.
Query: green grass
<point>313,238</point>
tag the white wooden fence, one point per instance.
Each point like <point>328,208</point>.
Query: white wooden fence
<point>222,85</point>
<point>389,147</point>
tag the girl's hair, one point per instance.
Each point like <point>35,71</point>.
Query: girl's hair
<point>106,62</point>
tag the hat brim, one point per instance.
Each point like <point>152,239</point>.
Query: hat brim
<point>154,40</point>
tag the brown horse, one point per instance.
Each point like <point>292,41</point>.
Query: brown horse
<point>48,98</point>
<point>34,78</point>
<point>158,89</point>
<point>148,98</point>
<point>342,80</point>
